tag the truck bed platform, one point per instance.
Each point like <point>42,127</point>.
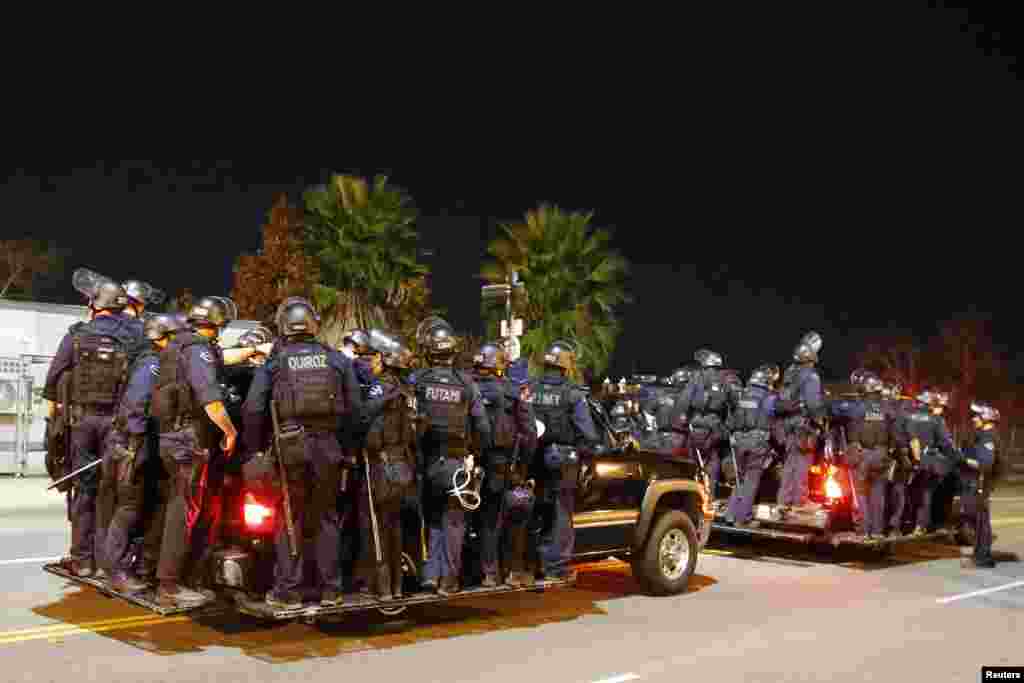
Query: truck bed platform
<point>823,537</point>
<point>145,598</point>
<point>363,603</point>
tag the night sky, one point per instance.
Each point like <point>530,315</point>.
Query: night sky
<point>845,174</point>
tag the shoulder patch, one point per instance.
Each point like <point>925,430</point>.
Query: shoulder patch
<point>155,369</point>
<point>206,355</point>
<point>991,446</point>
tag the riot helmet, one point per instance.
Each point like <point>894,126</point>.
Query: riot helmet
<point>439,342</point>
<point>426,326</point>
<point>943,397</point>
<point>296,316</point>
<point>708,358</point>
<point>393,353</point>
<point>872,384</point>
<point>359,341</point>
<point>857,376</point>
<point>984,412</point>
<point>808,348</point>
<point>142,295</point>
<point>156,327</point>
<point>560,354</point>
<point>256,336</point>
<point>491,356</point>
<point>209,311</point>
<point>103,293</point>
<point>761,377</point>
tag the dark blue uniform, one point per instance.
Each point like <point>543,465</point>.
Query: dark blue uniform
<point>315,387</point>
<point>938,459</point>
<point>903,470</point>
<point>707,401</point>
<point>806,407</point>
<point>750,424</point>
<point>568,425</point>
<point>186,446</point>
<point>90,424</point>
<point>447,400</point>
<point>502,476</point>
<point>355,565</point>
<point>977,486</point>
<point>124,459</point>
<point>873,427</point>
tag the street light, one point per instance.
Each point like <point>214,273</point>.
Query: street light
<point>511,329</point>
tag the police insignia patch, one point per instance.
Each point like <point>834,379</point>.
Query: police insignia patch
<point>205,355</point>
<point>991,446</point>
<point>155,370</point>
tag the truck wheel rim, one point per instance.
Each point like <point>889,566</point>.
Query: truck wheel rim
<point>675,554</point>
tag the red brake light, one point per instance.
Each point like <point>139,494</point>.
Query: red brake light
<point>255,513</point>
<point>833,491</point>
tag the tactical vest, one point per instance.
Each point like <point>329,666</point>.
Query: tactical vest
<point>751,412</point>
<point>99,366</point>
<point>872,430</point>
<point>442,400</point>
<point>173,402</point>
<point>499,411</point>
<point>306,387</point>
<point>553,405</point>
<point>391,428</point>
<point>662,408</point>
<point>714,394</point>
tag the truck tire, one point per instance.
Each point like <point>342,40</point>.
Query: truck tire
<point>669,556</point>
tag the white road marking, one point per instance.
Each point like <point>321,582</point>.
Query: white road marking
<point>30,560</point>
<point>974,594</point>
<point>619,679</point>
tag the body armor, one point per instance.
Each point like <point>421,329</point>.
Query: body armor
<point>872,430</point>
<point>120,421</point>
<point>442,399</point>
<point>553,405</point>
<point>389,449</point>
<point>752,411</point>
<point>306,387</point>
<point>714,393</point>
<point>174,403</point>
<point>499,411</point>
<point>99,367</point>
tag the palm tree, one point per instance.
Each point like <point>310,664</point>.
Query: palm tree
<point>574,283</point>
<point>364,242</point>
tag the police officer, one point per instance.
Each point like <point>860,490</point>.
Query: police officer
<point>568,425</point>
<point>357,567</point>
<point>85,380</point>
<point>445,400</point>
<point>873,429</point>
<point>189,403</point>
<point>903,464</point>
<point>983,465</point>
<point>801,405</point>
<point>931,446</point>
<point>514,431</point>
<point>750,426</point>
<point>314,389</point>
<point>706,403</point>
<point>390,460</point>
<point>126,459</point>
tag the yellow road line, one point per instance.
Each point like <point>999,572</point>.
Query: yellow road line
<point>62,630</point>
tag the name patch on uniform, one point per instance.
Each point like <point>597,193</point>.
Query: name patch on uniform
<point>315,361</point>
<point>547,399</point>
<point>918,417</point>
<point>874,416</point>
<point>752,405</point>
<point>443,394</point>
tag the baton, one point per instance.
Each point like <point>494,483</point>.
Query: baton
<point>84,468</point>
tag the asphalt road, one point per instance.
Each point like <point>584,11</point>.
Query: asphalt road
<point>754,612</point>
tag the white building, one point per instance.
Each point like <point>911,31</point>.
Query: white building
<point>30,333</point>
